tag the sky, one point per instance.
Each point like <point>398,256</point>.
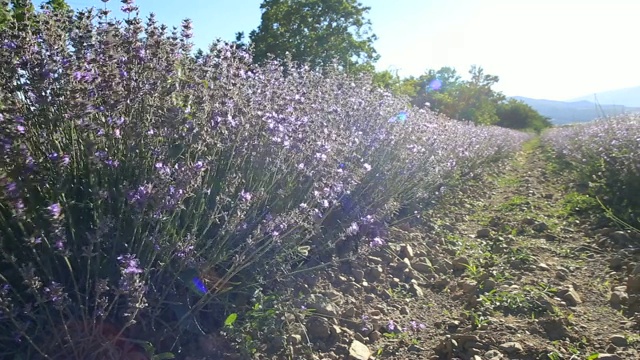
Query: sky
<point>545,49</point>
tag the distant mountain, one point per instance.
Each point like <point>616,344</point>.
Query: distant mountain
<point>628,97</point>
<point>565,112</point>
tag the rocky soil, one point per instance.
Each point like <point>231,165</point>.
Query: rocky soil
<point>501,268</point>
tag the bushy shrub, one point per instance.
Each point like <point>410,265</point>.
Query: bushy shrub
<point>606,154</point>
<point>141,184</point>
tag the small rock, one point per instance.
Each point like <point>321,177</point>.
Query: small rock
<point>322,305</point>
<point>562,274</point>
<point>448,228</point>
<point>633,284</point>
<point>358,275</point>
<point>369,298</point>
<point>620,237</point>
<point>359,337</point>
<point>618,298</point>
<point>570,296</point>
<point>544,267</point>
<point>493,355</point>
<point>511,347</point>
<point>460,263</point>
<point>375,273</point>
<point>540,227</point>
<point>609,357</point>
<point>618,340</point>
<point>375,336</point>
<point>349,312</point>
<point>406,251</point>
<point>489,285</point>
<point>416,290</point>
<point>469,287</point>
<point>423,267</point>
<point>318,328</point>
<point>615,263</point>
<point>548,196</point>
<point>404,310</point>
<point>295,339</point>
<point>359,351</point>
<point>483,233</point>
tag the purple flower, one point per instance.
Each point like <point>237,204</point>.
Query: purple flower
<point>199,165</point>
<point>353,229</point>
<point>376,242</point>
<point>129,264</point>
<point>21,129</point>
<point>246,196</point>
<point>10,45</point>
<point>391,326</point>
<point>12,188</point>
<point>66,160</point>
<point>112,163</point>
<point>55,210</point>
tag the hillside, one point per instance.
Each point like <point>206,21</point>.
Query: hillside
<point>562,112</point>
<point>628,97</point>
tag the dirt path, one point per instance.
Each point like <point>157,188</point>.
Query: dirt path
<point>502,268</point>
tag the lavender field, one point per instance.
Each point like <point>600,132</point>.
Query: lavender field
<point>145,190</point>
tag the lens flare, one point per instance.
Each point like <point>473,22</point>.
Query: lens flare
<point>401,117</point>
<point>434,85</point>
<point>199,285</point>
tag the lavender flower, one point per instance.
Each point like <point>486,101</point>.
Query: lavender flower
<point>55,210</point>
<point>377,242</point>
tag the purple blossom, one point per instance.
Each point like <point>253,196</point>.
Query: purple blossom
<point>376,242</point>
<point>391,325</point>
<point>55,210</point>
<point>246,196</point>
<point>353,229</point>
<point>11,45</point>
<point>129,264</point>
<point>12,189</point>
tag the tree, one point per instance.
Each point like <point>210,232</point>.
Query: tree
<point>20,10</point>
<point>515,114</point>
<point>316,32</point>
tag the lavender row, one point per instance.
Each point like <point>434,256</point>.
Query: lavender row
<point>605,153</point>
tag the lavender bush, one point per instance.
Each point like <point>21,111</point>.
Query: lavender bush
<point>141,185</point>
<point>605,153</point>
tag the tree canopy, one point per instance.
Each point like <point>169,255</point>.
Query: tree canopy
<point>316,32</point>
<point>474,99</point>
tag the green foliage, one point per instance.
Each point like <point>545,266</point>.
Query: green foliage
<point>317,33</point>
<point>21,10</point>
<point>515,114</point>
<point>472,100</point>
<point>576,203</point>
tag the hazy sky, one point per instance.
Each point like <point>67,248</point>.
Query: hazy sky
<point>552,49</point>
